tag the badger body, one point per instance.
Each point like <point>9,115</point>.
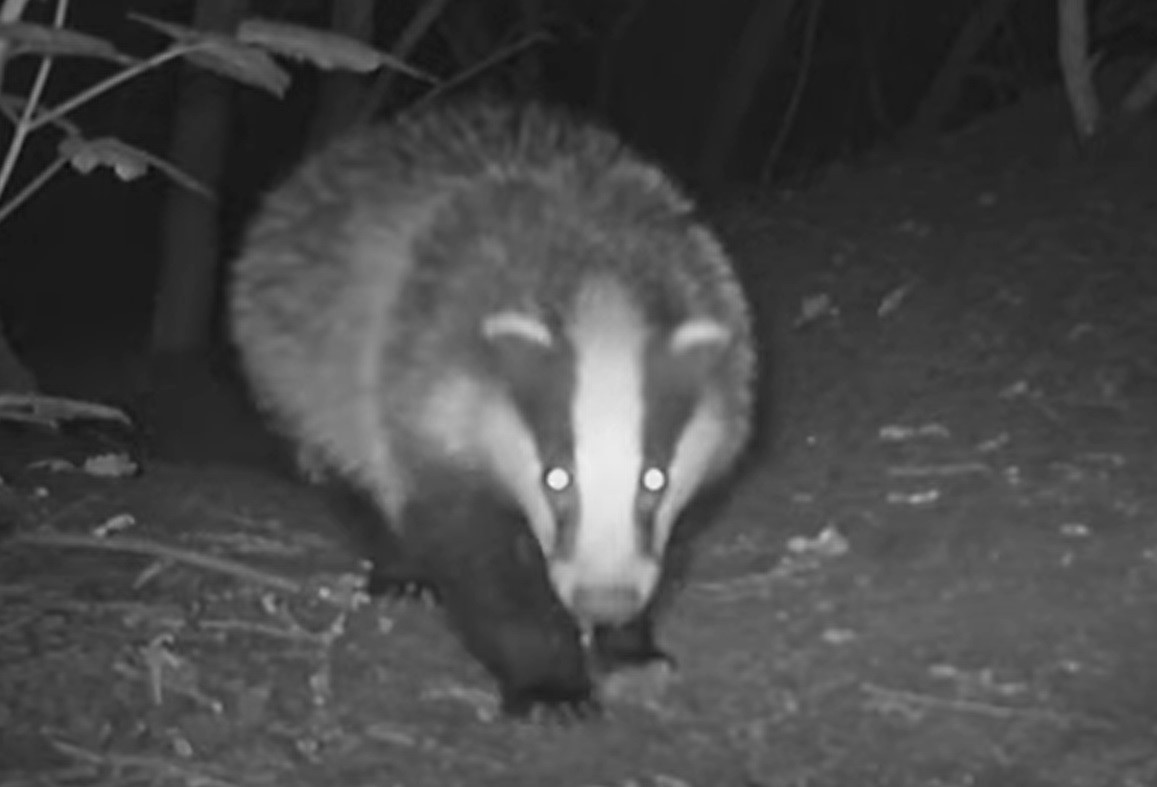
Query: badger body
<point>513,336</point>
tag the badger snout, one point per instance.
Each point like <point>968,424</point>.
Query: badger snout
<point>610,596</point>
<point>606,604</point>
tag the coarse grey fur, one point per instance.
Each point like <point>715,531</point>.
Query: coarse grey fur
<point>314,296</point>
<point>365,306</point>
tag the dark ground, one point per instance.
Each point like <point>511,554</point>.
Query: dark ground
<point>973,431</point>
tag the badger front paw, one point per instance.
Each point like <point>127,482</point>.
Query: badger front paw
<point>395,586</point>
<point>630,646</point>
<point>555,702</point>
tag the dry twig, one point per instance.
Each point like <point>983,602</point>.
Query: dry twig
<point>901,697</point>
<point>160,767</point>
<point>51,538</point>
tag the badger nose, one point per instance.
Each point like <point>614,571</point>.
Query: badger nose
<point>606,603</point>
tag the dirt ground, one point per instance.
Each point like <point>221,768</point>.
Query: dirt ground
<point>942,572</point>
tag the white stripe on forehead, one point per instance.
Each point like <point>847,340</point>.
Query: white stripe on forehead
<point>608,336</point>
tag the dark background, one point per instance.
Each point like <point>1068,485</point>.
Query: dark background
<point>81,256</point>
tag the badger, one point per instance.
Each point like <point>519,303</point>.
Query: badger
<point>516,340</point>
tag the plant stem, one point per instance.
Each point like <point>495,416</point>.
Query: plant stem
<point>26,126</point>
<point>179,50</point>
<point>12,10</point>
<point>31,187</point>
<point>11,107</point>
<point>530,39</point>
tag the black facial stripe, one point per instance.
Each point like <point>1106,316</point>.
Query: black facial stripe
<point>671,388</point>
<point>539,381</point>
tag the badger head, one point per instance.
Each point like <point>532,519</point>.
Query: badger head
<point>602,423</point>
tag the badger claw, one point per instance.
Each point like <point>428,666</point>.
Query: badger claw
<point>551,705</point>
<point>405,589</point>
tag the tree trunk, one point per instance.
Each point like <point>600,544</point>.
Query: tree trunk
<point>14,375</point>
<point>341,93</point>
<point>1077,67</point>
<point>629,13</point>
<point>945,89</point>
<point>760,42</point>
<point>1143,93</point>
<point>530,74</point>
<point>183,311</point>
<point>874,24</point>
<point>803,68</point>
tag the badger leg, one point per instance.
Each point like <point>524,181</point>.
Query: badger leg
<point>394,573</point>
<point>494,588</point>
<point>629,645</point>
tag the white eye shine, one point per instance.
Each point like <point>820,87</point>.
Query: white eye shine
<point>557,479</point>
<point>653,479</point>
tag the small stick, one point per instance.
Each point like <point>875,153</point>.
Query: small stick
<point>141,546</point>
<point>158,766</point>
<point>923,471</point>
<point>900,696</point>
<point>758,580</point>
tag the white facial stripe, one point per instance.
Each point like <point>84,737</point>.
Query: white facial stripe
<point>480,427</point>
<point>607,424</point>
<point>517,325</point>
<point>697,454</point>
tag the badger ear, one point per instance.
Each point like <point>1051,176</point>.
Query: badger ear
<point>699,334</point>
<point>520,346</point>
<point>504,326</point>
<point>698,344</point>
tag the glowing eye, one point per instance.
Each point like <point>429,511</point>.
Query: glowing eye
<point>654,479</point>
<point>557,479</point>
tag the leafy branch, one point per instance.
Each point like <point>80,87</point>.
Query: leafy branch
<point>247,56</point>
